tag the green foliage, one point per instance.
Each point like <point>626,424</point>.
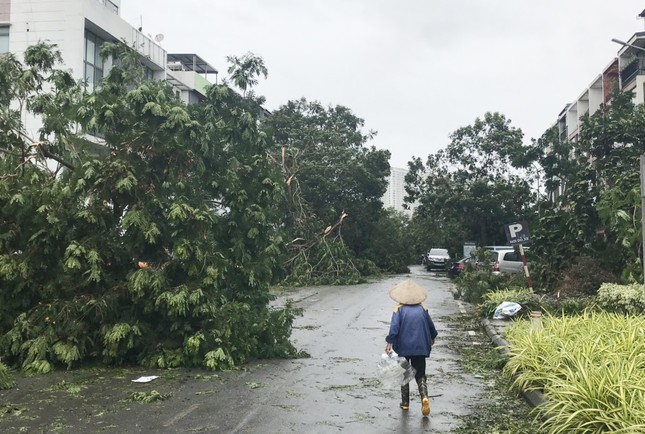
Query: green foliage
<point>390,248</point>
<point>584,276</point>
<point>148,397</point>
<point>155,247</point>
<point>521,295</point>
<point>554,247</point>
<point>470,190</point>
<point>474,285</point>
<point>625,299</point>
<point>619,207</point>
<point>333,189</point>
<point>328,262</point>
<point>6,379</point>
<point>475,282</point>
<point>598,213</point>
<point>593,380</point>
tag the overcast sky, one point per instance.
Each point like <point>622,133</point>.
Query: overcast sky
<point>414,70</point>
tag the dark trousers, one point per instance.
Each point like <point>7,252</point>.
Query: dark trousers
<point>418,363</point>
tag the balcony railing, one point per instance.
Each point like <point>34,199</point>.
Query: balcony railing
<point>634,68</point>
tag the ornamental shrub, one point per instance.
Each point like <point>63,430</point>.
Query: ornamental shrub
<point>625,299</point>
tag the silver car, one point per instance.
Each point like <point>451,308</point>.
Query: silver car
<point>437,259</point>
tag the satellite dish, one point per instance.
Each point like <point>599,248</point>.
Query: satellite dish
<point>159,37</point>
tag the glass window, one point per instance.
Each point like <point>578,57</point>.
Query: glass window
<point>112,7</point>
<point>4,39</point>
<point>513,256</point>
<point>93,60</point>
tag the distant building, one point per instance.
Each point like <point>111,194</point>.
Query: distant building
<point>395,192</point>
<point>79,27</point>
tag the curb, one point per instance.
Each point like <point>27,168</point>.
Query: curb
<point>532,397</point>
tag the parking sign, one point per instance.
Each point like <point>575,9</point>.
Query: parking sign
<point>517,233</point>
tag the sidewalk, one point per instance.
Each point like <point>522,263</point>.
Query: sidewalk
<point>495,329</point>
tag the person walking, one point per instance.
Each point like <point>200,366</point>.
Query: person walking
<point>412,334</point>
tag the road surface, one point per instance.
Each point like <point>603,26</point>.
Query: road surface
<point>335,390</point>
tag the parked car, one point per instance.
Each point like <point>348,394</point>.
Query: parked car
<point>458,267</point>
<point>506,260</point>
<point>438,259</point>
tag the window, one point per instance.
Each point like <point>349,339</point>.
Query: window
<point>513,256</point>
<point>149,73</point>
<point>92,60</point>
<point>112,7</point>
<point>4,39</point>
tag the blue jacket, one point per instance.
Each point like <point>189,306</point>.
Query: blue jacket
<point>411,330</point>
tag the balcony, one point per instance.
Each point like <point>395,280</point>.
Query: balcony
<point>633,69</point>
<point>189,72</point>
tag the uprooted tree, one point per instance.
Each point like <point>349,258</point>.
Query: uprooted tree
<point>154,242</point>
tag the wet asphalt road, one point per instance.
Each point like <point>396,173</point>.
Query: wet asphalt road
<point>335,390</point>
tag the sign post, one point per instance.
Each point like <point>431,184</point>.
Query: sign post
<point>517,234</point>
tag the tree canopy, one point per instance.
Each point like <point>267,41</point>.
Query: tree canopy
<point>334,186</point>
<point>153,242</point>
<point>472,188</point>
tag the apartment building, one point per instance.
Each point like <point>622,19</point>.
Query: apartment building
<point>598,93</point>
<point>625,72</point>
<point>79,27</point>
<point>395,192</point>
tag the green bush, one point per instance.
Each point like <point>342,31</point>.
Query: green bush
<point>584,277</point>
<point>473,285</point>
<point>567,305</point>
<point>522,295</point>
<point>626,299</point>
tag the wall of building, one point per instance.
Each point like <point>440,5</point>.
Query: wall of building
<point>395,192</point>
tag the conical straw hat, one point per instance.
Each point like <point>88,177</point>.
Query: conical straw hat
<point>408,292</point>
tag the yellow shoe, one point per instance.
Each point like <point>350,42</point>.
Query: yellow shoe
<point>425,406</point>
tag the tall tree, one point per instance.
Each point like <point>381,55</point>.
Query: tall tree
<point>468,191</point>
<point>330,173</point>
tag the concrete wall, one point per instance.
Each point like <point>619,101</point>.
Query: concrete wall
<point>63,22</point>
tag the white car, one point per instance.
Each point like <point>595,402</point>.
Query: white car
<point>437,259</point>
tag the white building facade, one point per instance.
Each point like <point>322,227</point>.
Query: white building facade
<point>79,27</point>
<point>395,192</point>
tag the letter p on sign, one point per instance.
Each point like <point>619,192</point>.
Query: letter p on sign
<point>514,229</point>
<point>518,233</point>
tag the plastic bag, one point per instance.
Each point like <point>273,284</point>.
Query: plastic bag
<point>394,371</point>
<point>506,309</point>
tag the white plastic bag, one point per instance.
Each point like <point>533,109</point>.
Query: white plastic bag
<point>506,309</point>
<point>394,371</point>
